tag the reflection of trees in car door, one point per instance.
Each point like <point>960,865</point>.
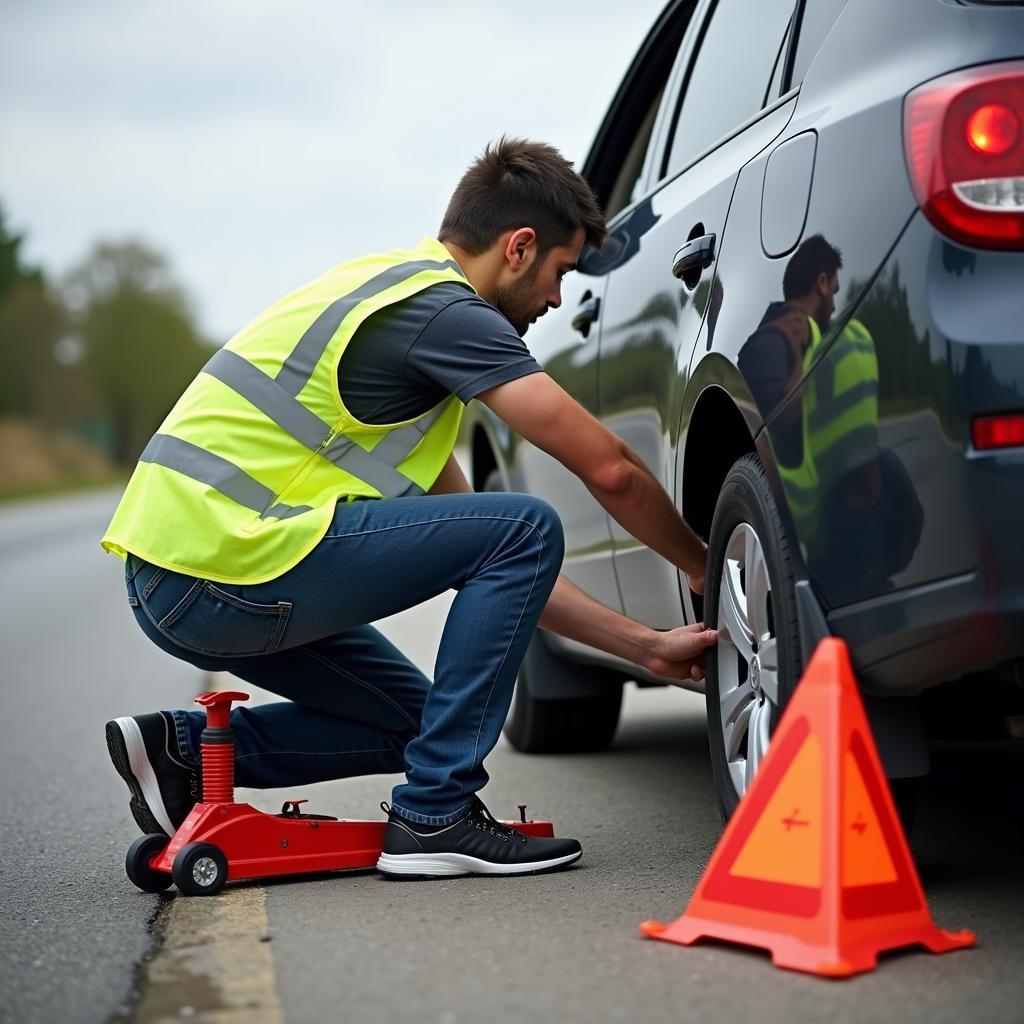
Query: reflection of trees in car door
<point>571,359</point>
<point>652,317</point>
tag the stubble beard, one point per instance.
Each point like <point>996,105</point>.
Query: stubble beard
<point>515,301</point>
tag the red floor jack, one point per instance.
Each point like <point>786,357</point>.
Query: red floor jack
<point>221,841</point>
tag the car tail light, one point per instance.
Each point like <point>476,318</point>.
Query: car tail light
<point>964,140</point>
<point>1002,431</point>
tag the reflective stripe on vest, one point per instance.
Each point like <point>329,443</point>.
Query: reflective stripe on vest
<point>241,480</point>
<point>377,467</point>
<point>839,420</point>
<point>191,460</point>
<point>801,482</point>
<point>843,401</point>
<point>299,366</point>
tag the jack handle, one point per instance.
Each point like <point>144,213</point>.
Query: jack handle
<point>218,706</point>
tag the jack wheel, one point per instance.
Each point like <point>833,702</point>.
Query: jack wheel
<point>200,869</point>
<point>136,863</point>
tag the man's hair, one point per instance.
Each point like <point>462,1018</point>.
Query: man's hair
<point>521,184</point>
<point>815,256</point>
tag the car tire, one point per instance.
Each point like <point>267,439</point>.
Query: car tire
<point>751,672</point>
<point>537,724</point>
<point>544,725</point>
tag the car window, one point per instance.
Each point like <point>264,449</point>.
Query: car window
<point>817,19</point>
<point>728,79</point>
<point>616,163</point>
<point>779,71</point>
<point>627,182</point>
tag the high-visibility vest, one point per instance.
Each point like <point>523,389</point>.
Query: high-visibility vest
<point>839,421</point>
<point>240,481</point>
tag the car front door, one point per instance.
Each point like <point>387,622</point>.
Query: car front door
<point>566,341</point>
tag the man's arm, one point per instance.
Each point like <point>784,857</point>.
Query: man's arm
<point>451,479</point>
<point>674,653</point>
<point>538,409</point>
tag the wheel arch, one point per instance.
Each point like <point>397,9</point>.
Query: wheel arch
<point>721,424</point>
<point>717,434</point>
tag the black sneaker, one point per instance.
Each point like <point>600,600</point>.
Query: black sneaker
<point>164,787</point>
<point>477,844</point>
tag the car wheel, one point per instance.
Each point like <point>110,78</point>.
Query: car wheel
<point>539,724</point>
<point>750,600</point>
<point>546,725</point>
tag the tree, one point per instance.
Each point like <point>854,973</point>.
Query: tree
<point>141,347</point>
<point>12,271</point>
<point>31,322</point>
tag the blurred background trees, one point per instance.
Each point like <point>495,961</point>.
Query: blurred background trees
<point>139,343</point>
<point>90,366</point>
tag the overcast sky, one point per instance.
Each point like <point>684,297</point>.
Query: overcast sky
<point>257,143</point>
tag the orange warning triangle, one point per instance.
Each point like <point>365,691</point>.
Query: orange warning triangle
<point>866,859</point>
<point>790,854</point>
<point>813,865</point>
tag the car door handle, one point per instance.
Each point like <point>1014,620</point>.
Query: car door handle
<point>588,312</point>
<point>698,254</point>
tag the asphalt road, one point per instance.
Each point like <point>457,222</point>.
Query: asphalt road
<point>78,943</point>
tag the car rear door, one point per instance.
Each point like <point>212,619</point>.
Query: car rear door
<point>664,285</point>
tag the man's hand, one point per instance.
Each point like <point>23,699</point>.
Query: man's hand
<point>679,653</point>
<point>674,653</point>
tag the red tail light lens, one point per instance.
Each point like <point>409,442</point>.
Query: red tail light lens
<point>964,139</point>
<point>993,129</point>
<point>1005,431</point>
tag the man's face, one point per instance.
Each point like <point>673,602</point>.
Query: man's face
<point>538,288</point>
<point>826,289</point>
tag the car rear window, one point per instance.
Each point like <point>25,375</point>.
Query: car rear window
<point>815,23</point>
<point>728,80</point>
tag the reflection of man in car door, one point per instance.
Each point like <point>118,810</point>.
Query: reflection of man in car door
<point>852,505</point>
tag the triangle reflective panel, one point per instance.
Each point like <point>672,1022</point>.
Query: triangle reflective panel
<point>813,865</point>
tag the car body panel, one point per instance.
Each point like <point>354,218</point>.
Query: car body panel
<point>648,333</point>
<point>945,322</point>
<point>571,360</point>
<point>958,606</point>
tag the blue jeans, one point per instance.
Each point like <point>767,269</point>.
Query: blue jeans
<point>355,704</point>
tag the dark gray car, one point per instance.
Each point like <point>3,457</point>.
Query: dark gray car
<point>809,322</point>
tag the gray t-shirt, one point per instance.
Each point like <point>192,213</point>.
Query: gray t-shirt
<point>444,340</point>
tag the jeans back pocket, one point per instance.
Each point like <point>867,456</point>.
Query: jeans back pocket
<point>209,620</point>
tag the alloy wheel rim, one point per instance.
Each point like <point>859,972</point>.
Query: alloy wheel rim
<point>748,663</point>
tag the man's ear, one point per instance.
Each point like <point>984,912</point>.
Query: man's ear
<point>521,248</point>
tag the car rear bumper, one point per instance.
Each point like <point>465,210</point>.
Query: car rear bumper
<point>905,642</point>
<point>914,637</point>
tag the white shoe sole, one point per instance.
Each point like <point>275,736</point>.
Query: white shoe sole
<point>138,761</point>
<point>447,865</point>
